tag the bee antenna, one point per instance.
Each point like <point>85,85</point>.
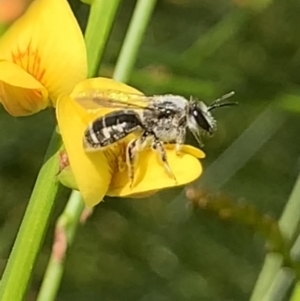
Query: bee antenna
<point>219,105</point>
<point>218,102</point>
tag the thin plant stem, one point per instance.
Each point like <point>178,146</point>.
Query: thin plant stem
<point>29,240</point>
<point>280,286</point>
<point>288,224</point>
<point>290,218</point>
<point>64,235</point>
<point>99,25</point>
<point>133,39</point>
<point>296,292</point>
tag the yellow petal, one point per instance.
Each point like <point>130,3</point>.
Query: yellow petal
<point>92,171</point>
<point>20,93</point>
<point>150,175</point>
<point>48,44</point>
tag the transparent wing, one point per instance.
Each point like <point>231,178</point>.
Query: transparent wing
<point>94,99</point>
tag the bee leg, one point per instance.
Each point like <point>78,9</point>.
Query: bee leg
<point>178,148</point>
<point>180,139</point>
<point>159,148</point>
<point>132,152</point>
<point>131,156</point>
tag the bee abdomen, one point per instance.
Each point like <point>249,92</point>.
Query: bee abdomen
<point>111,128</point>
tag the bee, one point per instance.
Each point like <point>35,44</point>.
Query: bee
<point>156,120</point>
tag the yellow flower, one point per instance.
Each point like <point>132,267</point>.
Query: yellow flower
<point>42,55</point>
<point>104,173</point>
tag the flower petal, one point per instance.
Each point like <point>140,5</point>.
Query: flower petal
<point>20,93</point>
<point>92,171</point>
<point>48,44</point>
<point>150,174</point>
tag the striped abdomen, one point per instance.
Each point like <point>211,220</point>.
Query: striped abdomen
<point>111,128</point>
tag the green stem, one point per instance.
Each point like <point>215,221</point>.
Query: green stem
<point>20,264</point>
<point>280,286</point>
<point>290,218</point>
<point>99,25</point>
<point>133,39</point>
<point>272,264</point>
<point>65,232</point>
<point>296,293</point>
<point>288,224</point>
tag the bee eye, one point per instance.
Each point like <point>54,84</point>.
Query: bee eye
<point>200,119</point>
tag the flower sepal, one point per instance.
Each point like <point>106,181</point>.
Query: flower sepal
<point>65,174</point>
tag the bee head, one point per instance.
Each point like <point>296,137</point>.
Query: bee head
<point>200,118</point>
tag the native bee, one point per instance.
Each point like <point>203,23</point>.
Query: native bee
<point>157,120</point>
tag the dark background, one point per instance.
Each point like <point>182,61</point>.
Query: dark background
<point>160,249</point>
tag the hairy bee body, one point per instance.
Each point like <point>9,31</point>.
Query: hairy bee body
<point>167,117</point>
<point>156,120</point>
<point>164,119</point>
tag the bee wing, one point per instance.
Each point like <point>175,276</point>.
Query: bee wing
<point>94,99</point>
